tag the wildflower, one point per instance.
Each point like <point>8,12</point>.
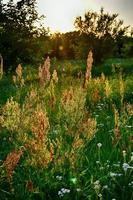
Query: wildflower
<point>101,168</point>
<point>99,145</point>
<point>97,185</point>
<point>124,153</point>
<point>78,189</point>
<point>112,174</point>
<point>100,195</point>
<point>60,194</point>
<point>130,184</point>
<point>59,178</point>
<point>127,126</point>
<point>105,187</point>
<point>97,161</point>
<point>126,166</point>
<point>116,165</point>
<point>64,190</point>
<point>101,125</point>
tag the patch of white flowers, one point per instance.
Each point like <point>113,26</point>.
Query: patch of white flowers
<point>63,191</point>
<point>115,174</point>
<point>97,185</point>
<point>126,166</point>
<point>59,177</point>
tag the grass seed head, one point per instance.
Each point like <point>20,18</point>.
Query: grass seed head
<point>11,162</point>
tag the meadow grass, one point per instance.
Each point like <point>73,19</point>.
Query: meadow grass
<point>62,141</point>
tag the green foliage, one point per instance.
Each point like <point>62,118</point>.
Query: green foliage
<point>64,141</point>
<point>20,31</point>
<point>101,32</point>
<point>23,39</point>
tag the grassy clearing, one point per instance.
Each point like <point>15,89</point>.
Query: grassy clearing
<point>61,141</point>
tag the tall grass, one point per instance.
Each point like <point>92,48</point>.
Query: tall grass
<point>62,141</point>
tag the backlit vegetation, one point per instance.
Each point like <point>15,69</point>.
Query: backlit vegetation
<point>66,138</point>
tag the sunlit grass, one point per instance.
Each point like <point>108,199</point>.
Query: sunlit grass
<point>61,140</point>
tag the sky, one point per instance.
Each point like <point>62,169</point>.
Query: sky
<point>60,14</point>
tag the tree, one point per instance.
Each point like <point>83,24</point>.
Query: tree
<point>103,31</point>
<point>20,28</point>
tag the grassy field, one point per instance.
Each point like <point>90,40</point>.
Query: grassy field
<point>60,140</point>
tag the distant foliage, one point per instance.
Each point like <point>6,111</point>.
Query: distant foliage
<point>104,32</point>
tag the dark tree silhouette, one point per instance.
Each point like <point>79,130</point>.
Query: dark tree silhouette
<point>103,32</point>
<point>19,29</point>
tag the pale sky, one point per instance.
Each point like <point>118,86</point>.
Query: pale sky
<point>60,14</point>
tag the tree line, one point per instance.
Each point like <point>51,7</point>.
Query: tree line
<point>24,39</point>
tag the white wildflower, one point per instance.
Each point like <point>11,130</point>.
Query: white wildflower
<point>100,195</point>
<point>97,161</point>
<point>124,153</point>
<point>78,189</point>
<point>125,166</point>
<point>59,178</point>
<point>99,145</point>
<point>97,185</point>
<point>64,190</point>
<point>112,174</point>
<point>105,187</point>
